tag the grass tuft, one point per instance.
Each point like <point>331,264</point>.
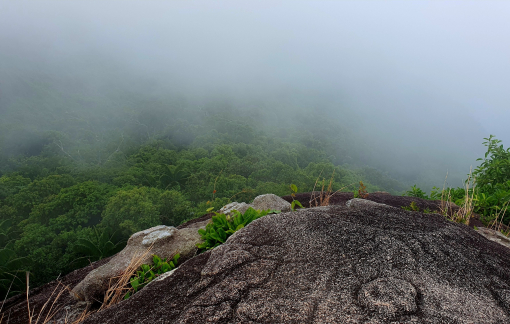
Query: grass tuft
<point>324,197</point>
<point>119,286</point>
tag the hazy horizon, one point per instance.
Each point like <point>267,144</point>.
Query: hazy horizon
<point>420,79</point>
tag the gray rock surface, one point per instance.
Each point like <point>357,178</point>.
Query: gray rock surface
<point>357,203</point>
<point>73,313</point>
<point>270,201</point>
<point>262,202</point>
<point>495,236</point>
<point>337,264</point>
<point>240,207</point>
<point>164,241</point>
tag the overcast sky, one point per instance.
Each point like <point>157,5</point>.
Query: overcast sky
<point>411,61</point>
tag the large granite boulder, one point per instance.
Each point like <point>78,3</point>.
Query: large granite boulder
<point>367,263</point>
<point>164,241</point>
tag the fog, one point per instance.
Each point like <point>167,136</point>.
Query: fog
<point>422,83</point>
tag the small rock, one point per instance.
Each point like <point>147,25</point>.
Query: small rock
<point>270,201</point>
<point>240,207</point>
<point>494,235</point>
<point>357,202</point>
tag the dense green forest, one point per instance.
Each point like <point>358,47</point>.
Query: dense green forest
<point>75,194</point>
<point>75,184</point>
<point>82,168</point>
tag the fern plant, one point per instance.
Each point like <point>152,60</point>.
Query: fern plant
<point>223,226</point>
<point>147,273</point>
<point>101,245</point>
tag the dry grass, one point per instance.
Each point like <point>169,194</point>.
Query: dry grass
<point>446,199</point>
<point>119,286</point>
<point>497,223</point>
<point>325,195</point>
<point>465,211</point>
<point>86,313</point>
<point>60,288</point>
<point>362,191</point>
<point>8,291</point>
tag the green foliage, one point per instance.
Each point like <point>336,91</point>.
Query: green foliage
<point>12,267</point>
<point>132,210</point>
<point>495,166</point>
<point>412,207</point>
<point>98,246</point>
<point>6,233</point>
<point>222,226</point>
<point>173,207</point>
<point>295,202</point>
<point>78,205</point>
<point>490,189</point>
<point>147,273</point>
<point>361,192</point>
<point>173,176</point>
<point>12,272</point>
<point>416,192</point>
<point>62,199</point>
<point>492,178</point>
<point>10,185</point>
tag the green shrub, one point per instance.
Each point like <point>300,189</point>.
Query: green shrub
<point>495,168</point>
<point>416,192</point>
<point>99,245</point>
<point>411,207</point>
<point>295,202</point>
<point>493,181</point>
<point>12,270</point>
<point>147,273</point>
<point>223,226</point>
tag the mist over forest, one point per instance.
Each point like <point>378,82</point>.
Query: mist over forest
<point>404,88</point>
<point>142,101</point>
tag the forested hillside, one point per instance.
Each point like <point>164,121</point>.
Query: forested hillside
<point>75,185</point>
<point>84,164</point>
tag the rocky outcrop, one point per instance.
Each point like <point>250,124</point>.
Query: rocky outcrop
<point>164,241</point>
<point>312,199</point>
<point>367,263</point>
<point>262,202</point>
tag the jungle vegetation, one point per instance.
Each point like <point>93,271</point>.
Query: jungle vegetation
<point>83,169</point>
<point>74,194</point>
